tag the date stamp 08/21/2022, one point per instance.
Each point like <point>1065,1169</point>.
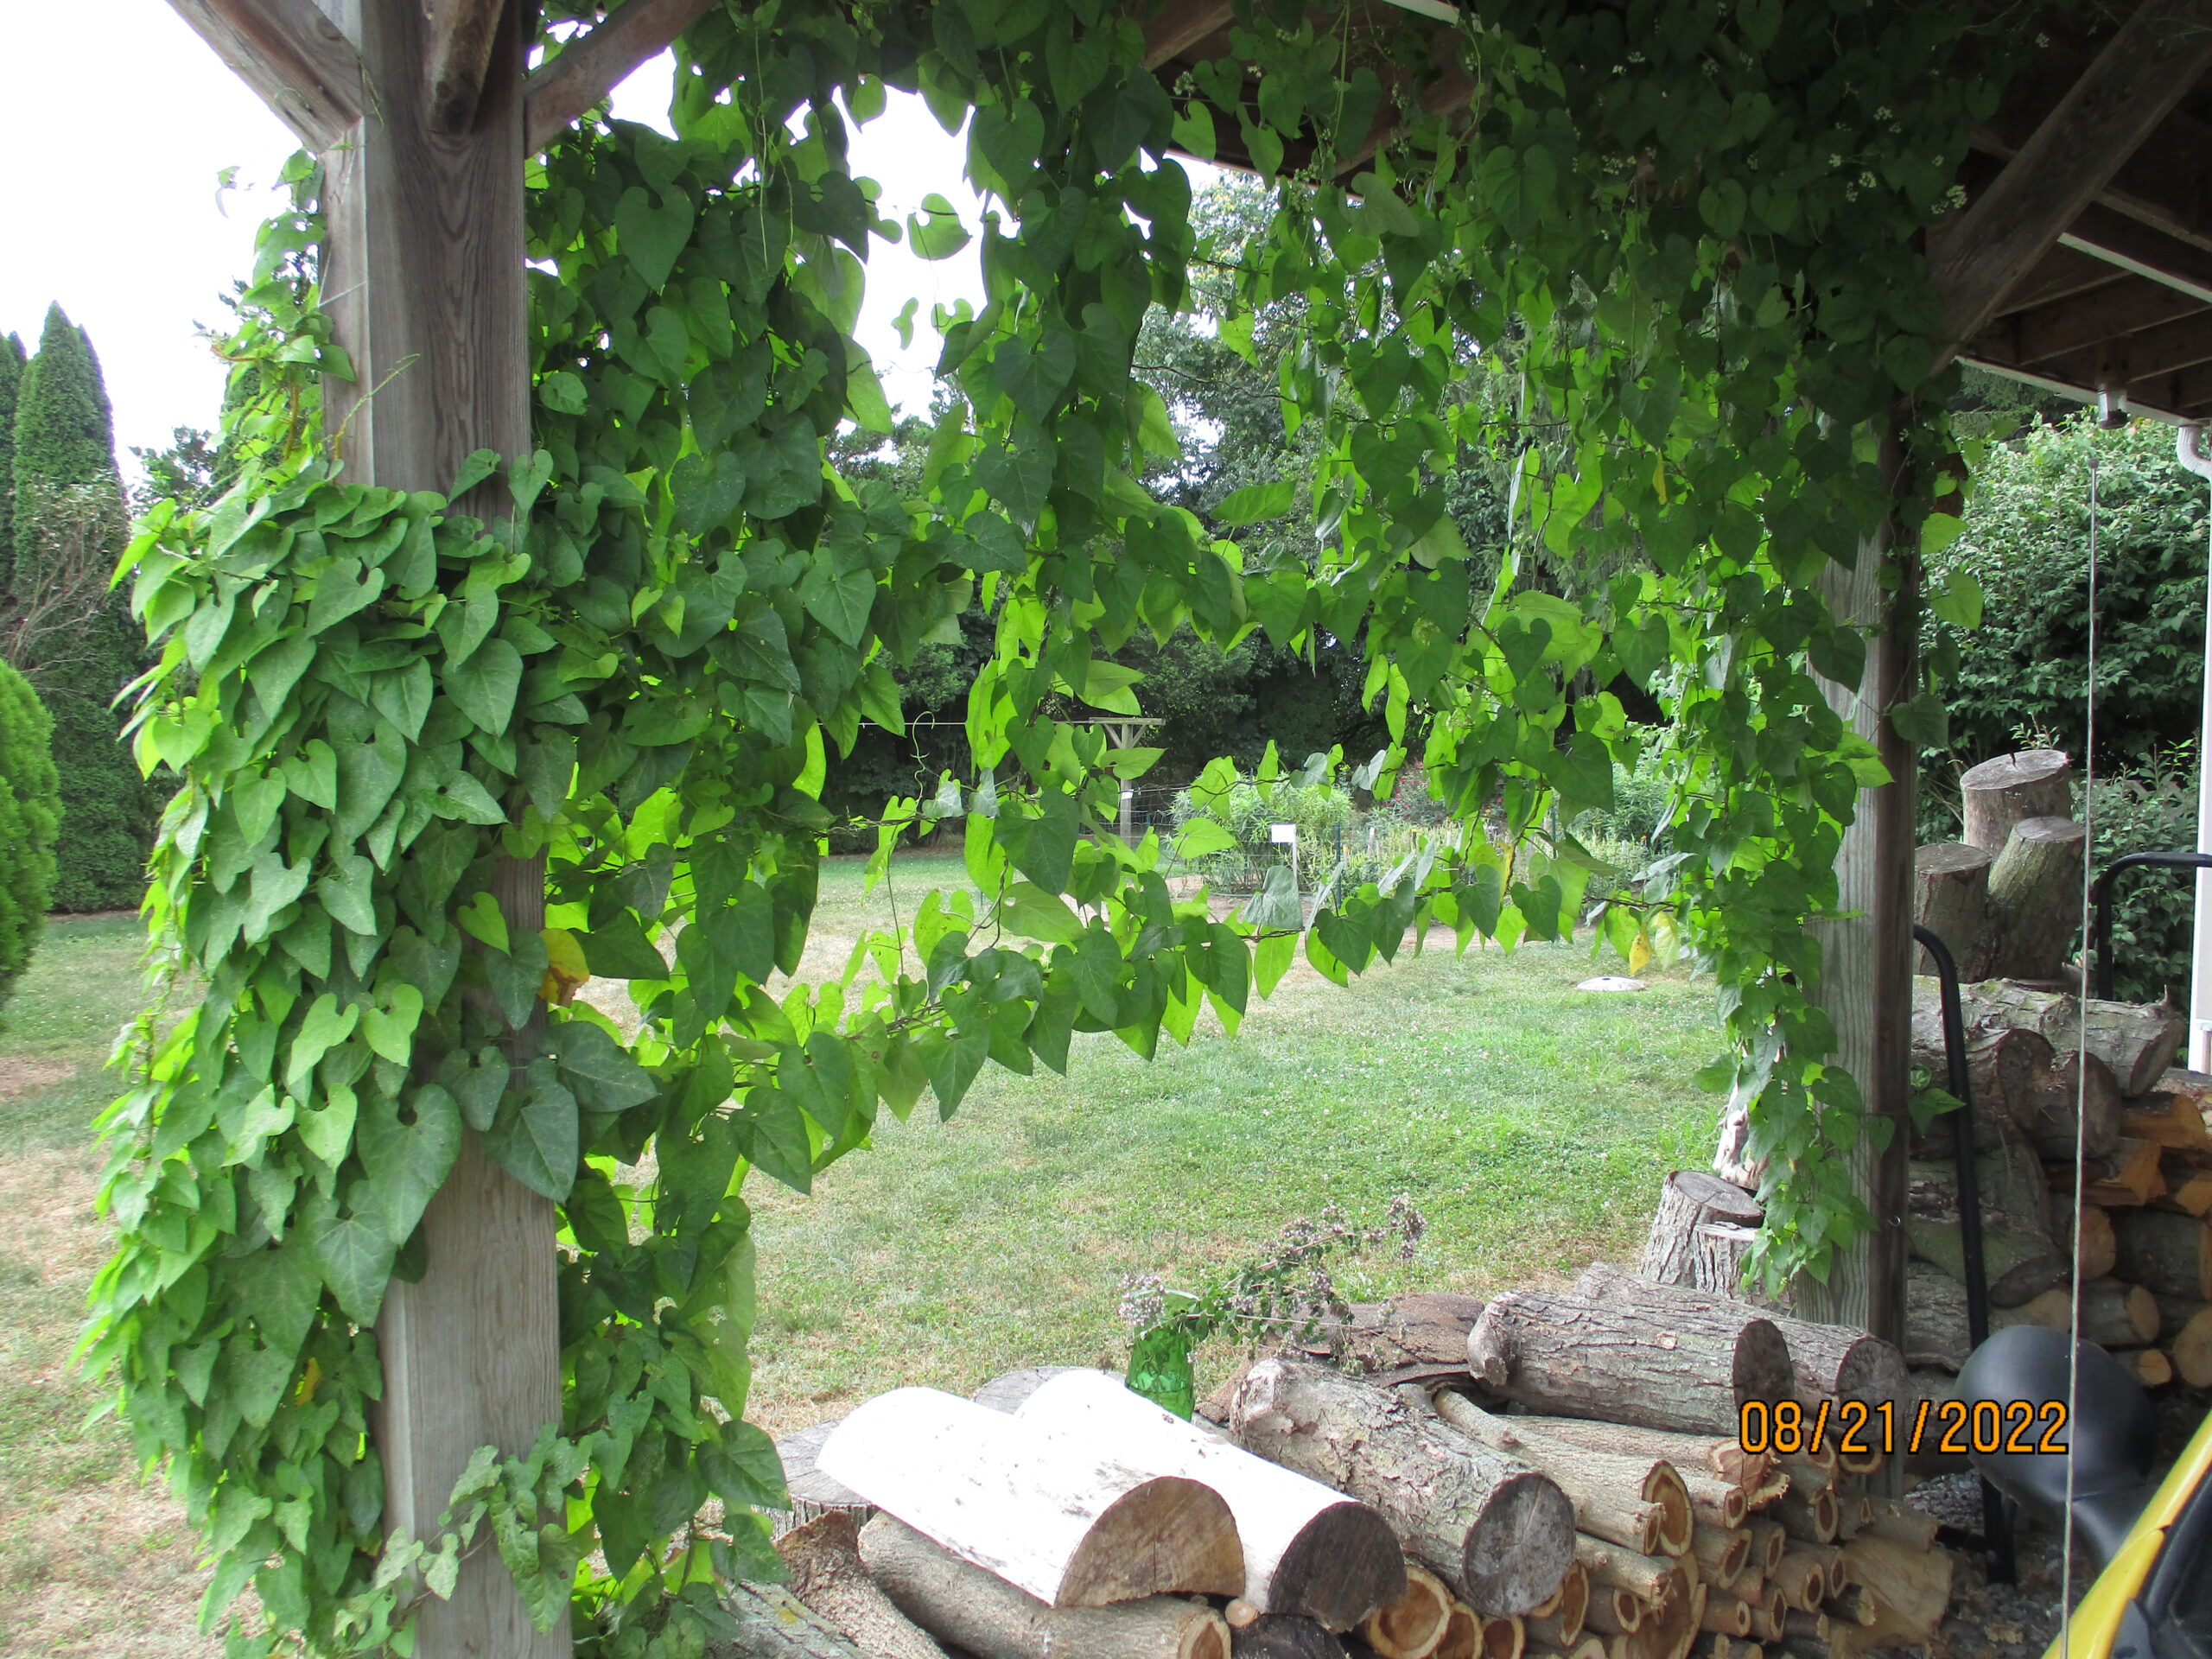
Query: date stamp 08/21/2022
<point>1856,1428</point>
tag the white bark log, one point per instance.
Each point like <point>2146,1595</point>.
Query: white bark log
<point>1071,1528</point>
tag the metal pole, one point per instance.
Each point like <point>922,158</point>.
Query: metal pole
<point>2189,452</point>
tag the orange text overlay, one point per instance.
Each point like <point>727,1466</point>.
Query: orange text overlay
<point>1854,1428</point>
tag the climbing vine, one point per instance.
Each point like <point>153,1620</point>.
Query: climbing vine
<point>1687,230</point>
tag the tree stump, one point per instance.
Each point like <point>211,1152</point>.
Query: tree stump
<point>1658,1366</point>
<point>1997,794</point>
<point>1501,1534</point>
<point>1676,1252</point>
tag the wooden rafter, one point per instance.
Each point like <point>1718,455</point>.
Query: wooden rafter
<point>458,50</point>
<point>2128,244</point>
<point>2061,273</point>
<point>593,65</point>
<point>2147,67</point>
<point>1181,26</point>
<point>2089,320</point>
<point>292,55</point>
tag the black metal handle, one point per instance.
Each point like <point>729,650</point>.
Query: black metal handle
<point>2101,900</point>
<point>1996,1525</point>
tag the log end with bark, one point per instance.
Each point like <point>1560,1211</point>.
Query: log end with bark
<point>823,1557</point>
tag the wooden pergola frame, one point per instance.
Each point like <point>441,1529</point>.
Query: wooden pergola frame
<point>2082,263</point>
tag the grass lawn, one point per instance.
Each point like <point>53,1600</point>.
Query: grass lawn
<point>1530,1123</point>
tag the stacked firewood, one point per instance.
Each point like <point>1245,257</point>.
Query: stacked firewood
<point>2049,1076</point>
<point>1549,1475</point>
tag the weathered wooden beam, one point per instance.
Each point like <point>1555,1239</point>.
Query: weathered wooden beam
<point>1866,959</point>
<point>2146,68</point>
<point>299,61</point>
<point>593,65</point>
<point>1181,25</point>
<point>2090,321</point>
<point>2162,184</point>
<point>2129,244</point>
<point>458,52</point>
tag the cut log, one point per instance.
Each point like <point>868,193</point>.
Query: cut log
<point>2137,1041</point>
<point>1672,1628</point>
<point>2060,1095</point>
<point>959,1602</point>
<point>2152,1368</point>
<point>2004,1070</point>
<point>1406,1338</point>
<point>1769,1544</point>
<point>2189,1346</point>
<point>1827,1361</point>
<point>1715,1502</point>
<point>1500,1533</point>
<point>2095,1251</point>
<point>1638,1503</point>
<point>1722,1553</point>
<point>1904,1523</point>
<point>1279,1635</point>
<point>1805,1624</point>
<point>2189,1189</point>
<point>2019,1264</point>
<point>1009,1392</point>
<point>2169,1254</point>
<point>1069,1528</point>
<point>1997,794</point>
<point>773,1624</point>
<point>1802,1578</point>
<point>1675,1253</point>
<point>1613,1610</point>
<point>1853,1605</point>
<point>813,1494</point>
<point>1647,1577</point>
<point>2020,1255</point>
<point>1411,1626</point>
<point>1658,1366</point>
<point>1726,1615</point>
<point>824,1558</point>
<point>1767,1617</point>
<point>1808,1517</point>
<point>2036,875</point>
<point>2126,1178</point>
<point>1308,1550</point>
<point>1914,1585</point>
<point>1950,899</point>
<point>1722,1456</point>
<point>2116,1315</point>
<point>1558,1622</point>
<point>1463,1635</point>
<point>1502,1638</point>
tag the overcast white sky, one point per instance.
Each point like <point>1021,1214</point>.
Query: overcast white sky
<point>119,122</point>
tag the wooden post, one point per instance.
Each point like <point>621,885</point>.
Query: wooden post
<point>1866,961</point>
<point>423,268</point>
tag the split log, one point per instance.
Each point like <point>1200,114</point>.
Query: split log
<point>1501,1533</point>
<point>2169,1254</point>
<point>1674,1251</point>
<point>1722,1456</point>
<point>1769,1544</point>
<point>1280,1636</point>
<point>2126,1178</point>
<point>1914,1585</point>
<point>1722,1553</point>
<point>1647,1577</point>
<point>963,1604</point>
<point>1950,898</point>
<point>813,1494</point>
<point>2188,1189</point>
<point>2031,923</point>
<point>2095,1251</point>
<point>1069,1528</point>
<point>2174,1120</point>
<point>1659,1367</point>
<point>1638,1503</point>
<point>1411,1626</point>
<point>773,1624</point>
<point>1997,794</point>
<point>1406,1338</point>
<point>1308,1550</point>
<point>1827,1361</point>
<point>1904,1523</point>
<point>826,1574</point>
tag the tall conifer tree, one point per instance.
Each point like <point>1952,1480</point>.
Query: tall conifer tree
<point>67,489</point>
<point>11,380</point>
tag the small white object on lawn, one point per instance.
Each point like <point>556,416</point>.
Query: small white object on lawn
<point>1612,983</point>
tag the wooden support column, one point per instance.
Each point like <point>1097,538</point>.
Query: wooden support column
<point>424,274</point>
<point>1867,960</point>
